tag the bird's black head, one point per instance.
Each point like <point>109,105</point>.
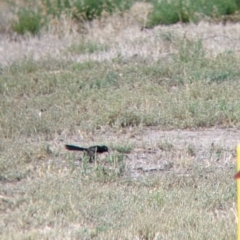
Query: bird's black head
<point>105,148</point>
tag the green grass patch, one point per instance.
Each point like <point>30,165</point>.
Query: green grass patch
<point>124,148</point>
<point>87,47</point>
<point>29,20</point>
<point>188,90</point>
<point>170,12</point>
<point>32,17</point>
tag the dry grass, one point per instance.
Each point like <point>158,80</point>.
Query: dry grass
<point>65,205</point>
<point>123,87</point>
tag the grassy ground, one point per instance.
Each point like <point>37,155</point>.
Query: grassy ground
<point>150,96</point>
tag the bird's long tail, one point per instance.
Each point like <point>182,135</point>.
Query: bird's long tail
<point>75,148</point>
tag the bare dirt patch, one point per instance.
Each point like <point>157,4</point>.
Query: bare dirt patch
<point>178,151</point>
<point>156,150</point>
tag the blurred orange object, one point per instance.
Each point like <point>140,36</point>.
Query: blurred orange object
<point>237,175</point>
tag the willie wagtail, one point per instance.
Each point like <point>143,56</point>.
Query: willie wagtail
<point>91,151</point>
